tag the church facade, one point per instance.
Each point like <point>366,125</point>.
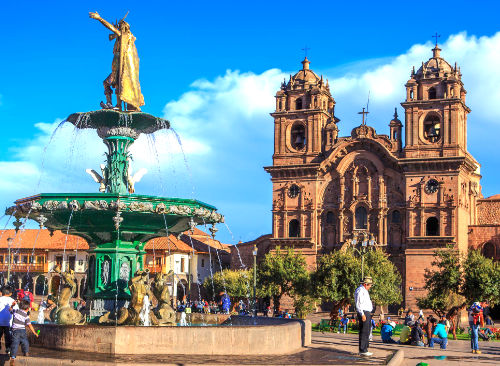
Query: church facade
<point>409,198</point>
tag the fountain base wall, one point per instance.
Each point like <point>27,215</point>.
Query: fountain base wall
<point>267,337</point>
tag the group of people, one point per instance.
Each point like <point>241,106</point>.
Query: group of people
<point>201,306</point>
<point>14,320</point>
<point>434,331</point>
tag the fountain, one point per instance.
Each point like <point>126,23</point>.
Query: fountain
<point>116,222</point>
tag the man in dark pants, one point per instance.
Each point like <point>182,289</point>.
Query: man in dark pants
<point>364,308</point>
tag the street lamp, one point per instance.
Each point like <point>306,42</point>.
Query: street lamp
<point>189,277</point>
<point>365,244</point>
<point>9,241</point>
<point>254,252</point>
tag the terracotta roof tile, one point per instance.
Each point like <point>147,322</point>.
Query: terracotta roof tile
<point>27,238</point>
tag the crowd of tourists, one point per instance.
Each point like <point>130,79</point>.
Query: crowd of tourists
<point>415,331</point>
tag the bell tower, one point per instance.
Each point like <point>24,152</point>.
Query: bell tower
<point>435,110</point>
<point>304,107</point>
<point>441,177</point>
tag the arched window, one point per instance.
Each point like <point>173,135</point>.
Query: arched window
<point>293,229</point>
<point>432,226</point>
<point>298,136</point>
<point>361,218</point>
<point>432,128</point>
<point>432,93</point>
<point>396,217</point>
<point>489,250</point>
<point>330,218</point>
<point>298,103</point>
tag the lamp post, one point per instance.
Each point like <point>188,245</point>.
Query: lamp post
<point>9,241</point>
<point>365,244</point>
<point>189,277</point>
<point>254,252</point>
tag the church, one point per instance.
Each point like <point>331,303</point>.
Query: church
<point>409,196</point>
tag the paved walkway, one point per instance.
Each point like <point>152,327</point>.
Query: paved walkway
<point>326,349</point>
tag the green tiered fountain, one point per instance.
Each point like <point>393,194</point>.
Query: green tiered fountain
<point>115,222</point>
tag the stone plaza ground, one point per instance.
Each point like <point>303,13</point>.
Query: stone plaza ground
<point>326,349</point>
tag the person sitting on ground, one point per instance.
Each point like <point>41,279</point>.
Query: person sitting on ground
<point>404,336</point>
<point>343,324</point>
<point>442,336</point>
<point>409,317</point>
<point>417,335</point>
<point>429,327</point>
<point>386,332</point>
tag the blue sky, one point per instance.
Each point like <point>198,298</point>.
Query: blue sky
<point>212,69</point>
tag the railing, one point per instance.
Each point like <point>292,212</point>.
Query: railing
<point>153,268</point>
<point>23,267</point>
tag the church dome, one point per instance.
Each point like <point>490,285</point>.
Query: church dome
<point>435,66</point>
<point>306,75</point>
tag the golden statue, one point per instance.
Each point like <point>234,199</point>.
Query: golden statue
<point>124,75</point>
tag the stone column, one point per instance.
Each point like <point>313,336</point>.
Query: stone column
<point>441,223</point>
<point>381,190</point>
<point>369,181</point>
<point>34,284</point>
<point>380,236</point>
<point>341,227</point>
<point>342,191</point>
<point>422,222</point>
<point>355,181</point>
<point>410,223</point>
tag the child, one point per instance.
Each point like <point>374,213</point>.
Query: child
<point>386,332</point>
<point>20,321</point>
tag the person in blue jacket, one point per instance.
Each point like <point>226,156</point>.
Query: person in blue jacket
<point>386,332</point>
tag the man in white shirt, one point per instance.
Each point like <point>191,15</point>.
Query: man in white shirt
<point>5,316</point>
<point>364,309</point>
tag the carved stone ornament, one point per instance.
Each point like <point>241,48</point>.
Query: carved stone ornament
<point>141,206</point>
<point>50,205</point>
<point>160,208</point>
<point>117,205</point>
<point>95,205</point>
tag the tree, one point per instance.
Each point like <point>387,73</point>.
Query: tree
<point>283,273</point>
<point>336,279</point>
<point>481,280</point>
<point>459,280</point>
<point>235,282</point>
<point>387,280</point>
<point>339,274</point>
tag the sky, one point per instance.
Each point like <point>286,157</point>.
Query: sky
<point>212,69</point>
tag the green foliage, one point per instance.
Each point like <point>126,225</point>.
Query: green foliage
<point>481,280</point>
<point>387,280</point>
<point>337,277</point>
<point>283,272</point>
<point>339,273</point>
<point>304,305</point>
<point>237,283</point>
<point>459,280</point>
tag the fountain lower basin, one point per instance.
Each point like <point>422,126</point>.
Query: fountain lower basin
<point>245,336</point>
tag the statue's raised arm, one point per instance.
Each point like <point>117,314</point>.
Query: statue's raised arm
<point>107,24</point>
<point>124,77</point>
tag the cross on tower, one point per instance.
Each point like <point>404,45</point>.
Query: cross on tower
<point>436,36</point>
<point>363,113</point>
<point>305,49</point>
